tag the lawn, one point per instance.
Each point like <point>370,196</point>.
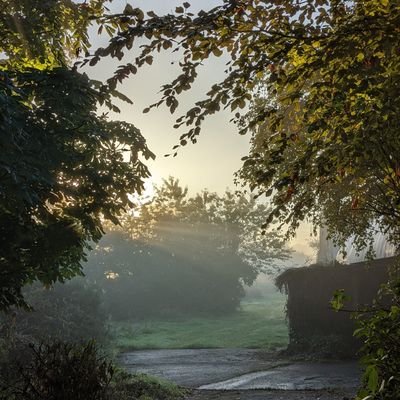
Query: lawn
<point>258,324</point>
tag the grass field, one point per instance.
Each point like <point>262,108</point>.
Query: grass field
<point>258,324</point>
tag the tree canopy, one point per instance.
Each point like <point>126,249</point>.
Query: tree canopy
<point>231,222</point>
<point>321,77</point>
<point>322,80</point>
<point>184,254</point>
<point>63,165</point>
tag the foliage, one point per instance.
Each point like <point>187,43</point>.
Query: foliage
<point>184,254</point>
<point>144,387</point>
<point>379,329</point>
<point>144,280</point>
<point>338,299</point>
<point>58,371</point>
<point>63,167</point>
<point>72,312</point>
<point>231,221</point>
<point>324,122</point>
<point>43,33</point>
<point>325,141</point>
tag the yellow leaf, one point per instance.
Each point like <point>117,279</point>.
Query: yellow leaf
<point>316,44</point>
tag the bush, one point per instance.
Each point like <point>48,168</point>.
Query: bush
<point>379,328</point>
<point>57,371</point>
<point>144,387</point>
<point>61,371</point>
<point>141,280</point>
<point>70,312</point>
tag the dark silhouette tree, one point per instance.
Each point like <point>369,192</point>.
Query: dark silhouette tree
<point>63,166</point>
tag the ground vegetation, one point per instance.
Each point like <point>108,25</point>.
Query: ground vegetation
<point>72,312</point>
<point>59,371</point>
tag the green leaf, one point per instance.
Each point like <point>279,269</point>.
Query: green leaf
<point>372,377</point>
<point>128,10</point>
<point>121,96</point>
<point>360,57</point>
<point>338,299</point>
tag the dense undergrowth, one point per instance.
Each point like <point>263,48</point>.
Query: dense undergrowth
<point>62,349</point>
<point>62,371</point>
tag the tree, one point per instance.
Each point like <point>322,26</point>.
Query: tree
<point>235,218</point>
<point>184,254</point>
<point>325,143</point>
<point>63,166</point>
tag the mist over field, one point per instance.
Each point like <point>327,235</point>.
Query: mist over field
<point>181,271</point>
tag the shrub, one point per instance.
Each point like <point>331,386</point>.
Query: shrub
<point>71,312</point>
<point>57,371</point>
<point>61,371</point>
<point>152,280</point>
<point>144,387</point>
<point>379,328</point>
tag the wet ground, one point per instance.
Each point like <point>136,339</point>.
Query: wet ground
<point>246,374</point>
<point>271,395</point>
<point>198,367</point>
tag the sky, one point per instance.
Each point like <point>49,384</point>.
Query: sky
<point>213,160</point>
